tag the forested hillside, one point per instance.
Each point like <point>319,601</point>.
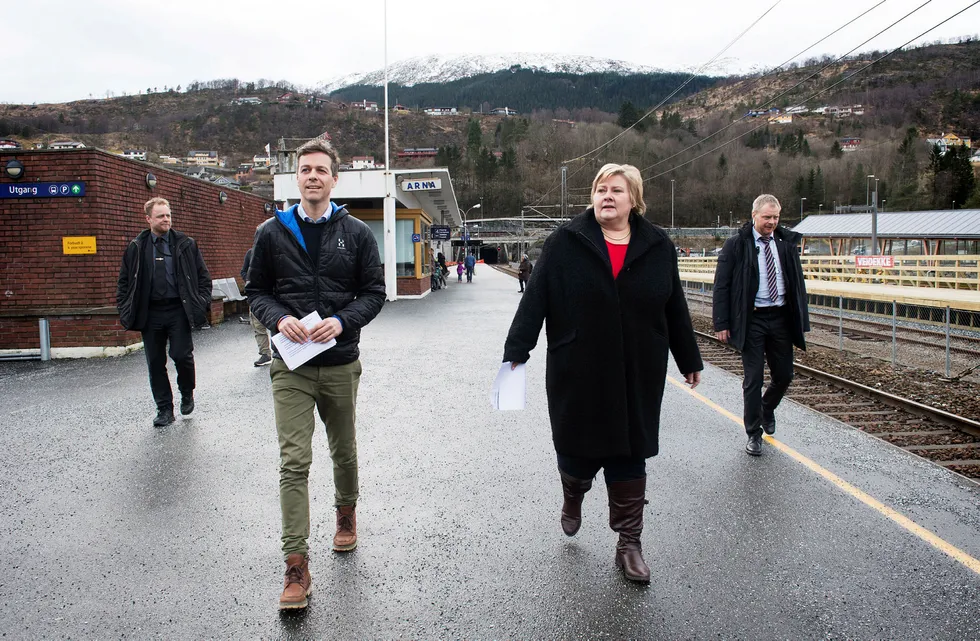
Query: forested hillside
<point>527,90</point>
<point>715,157</point>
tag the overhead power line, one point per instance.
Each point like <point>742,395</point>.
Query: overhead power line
<point>787,91</point>
<point>822,91</point>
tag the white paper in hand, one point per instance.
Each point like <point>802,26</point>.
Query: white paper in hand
<point>295,354</point>
<point>509,388</point>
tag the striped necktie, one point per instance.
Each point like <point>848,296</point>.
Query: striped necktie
<point>770,268</point>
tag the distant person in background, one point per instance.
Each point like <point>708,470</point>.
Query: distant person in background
<point>459,272</point>
<point>164,290</point>
<point>524,272</point>
<point>760,308</point>
<point>608,288</point>
<point>441,259</point>
<point>470,262</point>
<point>261,333</point>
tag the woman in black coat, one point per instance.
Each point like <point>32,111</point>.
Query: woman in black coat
<point>607,284</point>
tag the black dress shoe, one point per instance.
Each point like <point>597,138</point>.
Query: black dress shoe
<point>187,404</point>
<point>164,418</point>
<point>769,426</point>
<point>754,446</point>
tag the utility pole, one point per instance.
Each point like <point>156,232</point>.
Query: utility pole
<point>564,191</point>
<point>671,203</point>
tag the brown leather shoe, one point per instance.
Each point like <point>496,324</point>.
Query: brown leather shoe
<point>626,501</point>
<point>345,539</point>
<point>571,510</point>
<point>298,583</point>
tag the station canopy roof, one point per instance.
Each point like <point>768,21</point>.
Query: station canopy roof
<point>949,223</point>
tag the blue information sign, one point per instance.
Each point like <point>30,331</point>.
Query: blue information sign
<point>416,238</point>
<point>42,190</point>
<point>440,232</point>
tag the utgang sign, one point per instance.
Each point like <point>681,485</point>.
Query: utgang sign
<point>42,190</point>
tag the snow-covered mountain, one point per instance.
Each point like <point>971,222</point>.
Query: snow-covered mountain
<point>442,68</point>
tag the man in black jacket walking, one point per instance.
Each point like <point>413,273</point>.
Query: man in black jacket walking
<point>760,307</point>
<point>164,289</point>
<point>315,257</point>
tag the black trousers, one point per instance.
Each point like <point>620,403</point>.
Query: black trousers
<point>614,469</point>
<point>522,281</point>
<point>167,321</point>
<point>767,341</point>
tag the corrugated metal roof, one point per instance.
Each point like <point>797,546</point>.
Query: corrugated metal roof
<point>950,223</point>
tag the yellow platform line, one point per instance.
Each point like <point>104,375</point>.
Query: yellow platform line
<point>903,521</point>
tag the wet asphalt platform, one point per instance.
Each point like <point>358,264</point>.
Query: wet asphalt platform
<point>110,528</point>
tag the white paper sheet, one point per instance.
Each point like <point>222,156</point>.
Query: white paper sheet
<point>295,354</point>
<point>509,388</point>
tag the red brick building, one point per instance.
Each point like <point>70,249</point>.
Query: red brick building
<point>76,293</point>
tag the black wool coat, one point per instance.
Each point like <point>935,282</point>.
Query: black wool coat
<point>737,282</point>
<point>608,339</point>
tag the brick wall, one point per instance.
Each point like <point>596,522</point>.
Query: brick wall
<point>37,279</point>
<point>413,286</point>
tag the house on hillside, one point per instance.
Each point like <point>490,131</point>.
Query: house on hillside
<point>417,152</point>
<point>202,158</point>
<point>134,154</point>
<point>251,100</point>
<point>168,160</point>
<point>66,144</point>
<point>566,123</point>
<point>362,162</point>
<point>946,141</point>
<point>364,105</point>
<point>781,119</point>
<point>6,143</point>
<point>849,144</point>
<point>261,160</point>
<point>798,109</point>
<point>401,109</point>
<point>503,111</point>
<point>440,111</point>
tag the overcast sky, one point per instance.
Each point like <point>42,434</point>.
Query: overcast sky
<point>62,50</point>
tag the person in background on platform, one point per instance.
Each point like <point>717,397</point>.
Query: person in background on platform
<point>164,290</point>
<point>441,259</point>
<point>261,333</point>
<point>470,262</point>
<point>608,286</point>
<point>760,308</point>
<point>459,272</point>
<point>524,272</point>
<point>315,256</point>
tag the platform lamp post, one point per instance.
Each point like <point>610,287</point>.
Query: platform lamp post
<point>868,201</point>
<point>819,208</point>
<point>476,206</point>
<point>671,203</point>
<point>801,208</point>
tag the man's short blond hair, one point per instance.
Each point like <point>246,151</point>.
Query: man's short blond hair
<point>320,146</point>
<point>763,200</point>
<point>633,179</point>
<point>153,202</point>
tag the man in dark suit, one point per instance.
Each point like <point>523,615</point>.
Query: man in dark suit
<point>760,307</point>
<point>164,289</point>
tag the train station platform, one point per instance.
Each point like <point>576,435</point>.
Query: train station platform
<point>113,528</point>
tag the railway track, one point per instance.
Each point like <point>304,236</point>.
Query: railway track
<point>944,438</point>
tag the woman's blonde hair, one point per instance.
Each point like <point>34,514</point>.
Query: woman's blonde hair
<point>633,179</point>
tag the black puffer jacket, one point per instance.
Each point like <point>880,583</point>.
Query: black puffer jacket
<point>737,281</point>
<point>133,286</point>
<point>348,282</point>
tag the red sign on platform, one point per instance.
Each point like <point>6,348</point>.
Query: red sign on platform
<point>874,261</point>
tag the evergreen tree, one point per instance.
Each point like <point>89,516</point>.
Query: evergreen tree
<point>836,151</point>
<point>722,165</point>
<point>628,115</point>
<point>474,137</point>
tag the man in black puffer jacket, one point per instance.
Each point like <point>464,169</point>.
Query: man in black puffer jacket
<point>315,257</point>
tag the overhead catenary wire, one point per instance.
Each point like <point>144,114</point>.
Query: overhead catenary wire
<point>660,104</point>
<point>780,95</point>
<point>814,95</point>
<point>674,92</point>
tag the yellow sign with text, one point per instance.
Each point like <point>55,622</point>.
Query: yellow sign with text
<point>78,244</point>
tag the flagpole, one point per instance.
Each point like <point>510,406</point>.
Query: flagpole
<point>390,256</point>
